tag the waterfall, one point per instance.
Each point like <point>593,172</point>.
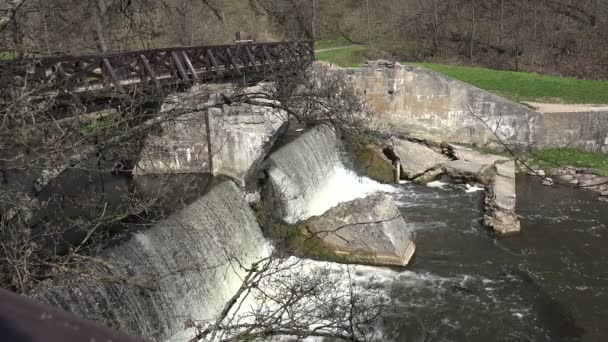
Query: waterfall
<point>308,177</point>
<point>185,267</point>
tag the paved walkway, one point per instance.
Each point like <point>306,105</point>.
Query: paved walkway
<point>338,48</point>
<point>567,108</point>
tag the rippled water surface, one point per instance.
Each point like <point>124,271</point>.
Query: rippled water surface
<point>549,283</point>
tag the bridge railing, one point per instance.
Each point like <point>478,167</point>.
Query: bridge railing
<point>159,67</point>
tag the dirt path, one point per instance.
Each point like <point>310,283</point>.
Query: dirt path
<point>338,48</point>
<point>567,108</point>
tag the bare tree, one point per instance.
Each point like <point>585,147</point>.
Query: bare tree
<point>11,11</point>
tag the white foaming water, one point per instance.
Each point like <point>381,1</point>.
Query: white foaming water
<point>336,281</point>
<point>436,184</point>
<point>474,188</point>
<point>341,186</point>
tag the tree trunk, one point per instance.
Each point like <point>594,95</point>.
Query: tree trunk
<point>472,38</point>
<point>98,14</point>
<point>11,9</point>
<point>594,14</point>
<point>217,10</point>
<point>502,22</point>
<point>44,15</point>
<point>314,11</point>
<point>435,39</point>
<point>369,24</point>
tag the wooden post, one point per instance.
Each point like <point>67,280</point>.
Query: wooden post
<point>209,149</point>
<point>179,66</point>
<point>251,59</point>
<point>211,57</point>
<point>233,61</point>
<point>149,70</point>
<point>397,171</point>
<point>108,66</point>
<point>189,65</point>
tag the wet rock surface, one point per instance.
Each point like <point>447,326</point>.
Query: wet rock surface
<point>415,159</point>
<point>500,201</point>
<point>373,163</point>
<point>584,179</point>
<point>369,230</point>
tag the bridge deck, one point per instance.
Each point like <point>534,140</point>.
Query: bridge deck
<point>158,67</point>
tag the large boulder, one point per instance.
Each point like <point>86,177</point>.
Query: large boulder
<point>415,159</point>
<point>467,171</point>
<point>369,230</point>
<point>372,161</point>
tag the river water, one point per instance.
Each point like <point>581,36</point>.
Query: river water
<point>550,283</point>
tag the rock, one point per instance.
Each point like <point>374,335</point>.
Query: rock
<point>372,161</point>
<point>604,193</point>
<point>368,230</point>
<point>467,171</point>
<point>548,181</point>
<point>429,176</point>
<point>541,173</point>
<point>470,155</point>
<point>415,158</point>
<point>603,199</point>
<point>503,222</point>
<point>567,178</point>
<point>590,180</point>
<point>500,201</point>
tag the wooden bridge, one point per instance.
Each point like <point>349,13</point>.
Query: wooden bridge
<point>159,67</point>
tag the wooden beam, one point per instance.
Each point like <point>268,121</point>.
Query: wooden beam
<point>108,66</point>
<point>251,59</point>
<point>266,54</point>
<point>218,72</point>
<point>189,65</point>
<point>180,67</point>
<point>149,70</point>
<point>209,147</point>
<point>233,61</point>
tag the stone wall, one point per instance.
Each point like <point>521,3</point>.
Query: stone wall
<point>421,102</point>
<point>240,136</point>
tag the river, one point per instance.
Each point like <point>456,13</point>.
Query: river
<point>548,283</point>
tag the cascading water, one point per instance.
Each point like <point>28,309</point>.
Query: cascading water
<point>309,178</point>
<point>186,266</point>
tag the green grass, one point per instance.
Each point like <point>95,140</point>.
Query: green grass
<point>349,57</point>
<point>7,56</point>
<point>556,157</point>
<point>331,43</point>
<point>524,86</point>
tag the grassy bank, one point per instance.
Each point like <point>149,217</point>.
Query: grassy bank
<point>347,57</point>
<point>524,86</point>
<point>331,43</point>
<point>555,157</point>
<point>518,86</point>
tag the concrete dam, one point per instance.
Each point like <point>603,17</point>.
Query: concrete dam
<point>402,224</point>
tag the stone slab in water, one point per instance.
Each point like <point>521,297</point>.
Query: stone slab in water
<point>470,155</point>
<point>415,158</point>
<point>369,230</point>
<point>500,201</point>
<point>372,161</point>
